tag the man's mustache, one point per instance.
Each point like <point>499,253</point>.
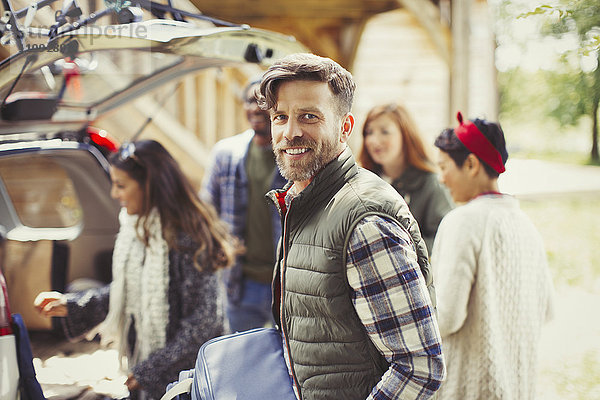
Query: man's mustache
<point>295,142</point>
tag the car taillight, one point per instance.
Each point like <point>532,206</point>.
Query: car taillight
<point>5,315</point>
<point>101,138</point>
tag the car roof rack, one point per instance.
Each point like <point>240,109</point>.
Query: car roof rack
<point>70,18</point>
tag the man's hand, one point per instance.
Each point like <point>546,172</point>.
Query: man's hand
<point>51,304</point>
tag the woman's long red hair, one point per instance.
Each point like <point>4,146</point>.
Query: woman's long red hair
<point>414,150</point>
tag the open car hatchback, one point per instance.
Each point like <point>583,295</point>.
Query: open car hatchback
<point>55,206</point>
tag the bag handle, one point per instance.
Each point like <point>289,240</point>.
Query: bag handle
<point>180,387</point>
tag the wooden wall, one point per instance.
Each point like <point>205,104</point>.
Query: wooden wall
<point>397,62</point>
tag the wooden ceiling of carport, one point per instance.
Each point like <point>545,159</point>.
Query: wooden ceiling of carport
<point>329,28</point>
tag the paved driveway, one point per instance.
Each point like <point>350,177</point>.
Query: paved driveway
<point>81,370</point>
<point>85,371</point>
<point>535,178</point>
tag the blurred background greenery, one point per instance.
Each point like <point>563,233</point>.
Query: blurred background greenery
<point>548,77</point>
<point>570,228</point>
<point>548,63</point>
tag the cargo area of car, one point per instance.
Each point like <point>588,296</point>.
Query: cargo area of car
<point>66,224</point>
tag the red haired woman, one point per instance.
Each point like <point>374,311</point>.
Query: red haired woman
<point>393,149</point>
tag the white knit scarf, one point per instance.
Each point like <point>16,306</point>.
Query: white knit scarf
<point>139,289</point>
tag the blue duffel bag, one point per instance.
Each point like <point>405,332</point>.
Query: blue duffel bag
<point>242,366</point>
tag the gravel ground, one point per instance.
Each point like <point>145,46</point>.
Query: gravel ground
<point>81,370</point>
<point>568,367</point>
<point>569,363</point>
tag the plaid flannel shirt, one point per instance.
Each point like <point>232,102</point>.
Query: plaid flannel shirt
<point>393,303</point>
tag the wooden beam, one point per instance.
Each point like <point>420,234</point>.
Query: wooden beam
<point>323,40</point>
<point>350,39</point>
<point>331,38</point>
<point>431,20</point>
<point>305,9</point>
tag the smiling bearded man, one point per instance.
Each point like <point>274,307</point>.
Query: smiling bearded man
<point>351,280</point>
<point>302,152</point>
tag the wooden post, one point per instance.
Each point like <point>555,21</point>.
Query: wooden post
<point>459,71</point>
<point>189,105</point>
<point>207,95</point>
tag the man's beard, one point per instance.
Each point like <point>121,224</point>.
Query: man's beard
<point>302,170</point>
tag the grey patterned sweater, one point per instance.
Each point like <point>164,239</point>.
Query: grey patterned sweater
<point>195,316</point>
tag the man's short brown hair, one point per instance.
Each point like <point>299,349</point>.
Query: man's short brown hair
<point>308,67</point>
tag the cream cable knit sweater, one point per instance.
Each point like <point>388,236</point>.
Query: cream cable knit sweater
<point>494,292</point>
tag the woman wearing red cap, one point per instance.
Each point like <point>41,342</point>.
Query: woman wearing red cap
<point>393,149</point>
<point>493,285</point>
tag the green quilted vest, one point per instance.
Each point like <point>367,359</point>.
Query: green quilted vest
<point>332,356</point>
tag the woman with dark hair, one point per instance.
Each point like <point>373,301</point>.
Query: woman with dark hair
<point>393,149</point>
<point>492,281</point>
<point>164,300</point>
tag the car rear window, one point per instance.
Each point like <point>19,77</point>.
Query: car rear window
<point>99,75</point>
<point>41,191</point>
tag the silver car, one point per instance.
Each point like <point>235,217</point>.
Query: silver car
<point>55,207</point>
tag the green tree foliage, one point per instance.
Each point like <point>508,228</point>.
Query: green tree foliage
<point>575,90</point>
<point>520,92</point>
